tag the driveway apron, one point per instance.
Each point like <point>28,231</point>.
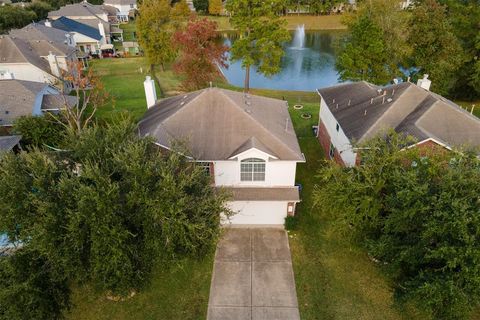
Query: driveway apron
<point>253,277</point>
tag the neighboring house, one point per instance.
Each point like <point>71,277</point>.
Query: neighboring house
<point>87,39</point>
<point>9,143</point>
<point>22,98</point>
<point>95,16</point>
<point>246,143</point>
<point>40,61</point>
<point>124,7</point>
<point>356,112</point>
<point>39,31</point>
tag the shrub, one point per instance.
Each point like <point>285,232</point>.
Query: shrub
<point>417,211</point>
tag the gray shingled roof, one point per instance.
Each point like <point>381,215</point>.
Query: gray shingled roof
<point>219,123</point>
<point>38,31</point>
<point>14,50</point>
<point>120,2</point>
<point>363,110</point>
<point>7,143</point>
<point>18,97</point>
<point>57,101</point>
<point>263,194</point>
<point>82,9</point>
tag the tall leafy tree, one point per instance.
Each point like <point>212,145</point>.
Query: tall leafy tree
<point>464,17</point>
<point>215,7</point>
<point>435,48</point>
<point>201,53</point>
<point>156,24</point>
<point>14,17</point>
<point>262,35</point>
<point>365,56</point>
<point>104,211</point>
<point>200,5</point>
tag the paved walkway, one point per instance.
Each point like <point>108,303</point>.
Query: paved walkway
<point>253,277</point>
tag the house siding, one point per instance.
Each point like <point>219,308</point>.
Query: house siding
<point>328,134</point>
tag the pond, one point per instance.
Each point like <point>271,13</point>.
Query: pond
<point>308,63</point>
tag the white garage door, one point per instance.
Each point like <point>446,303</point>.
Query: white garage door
<point>258,212</point>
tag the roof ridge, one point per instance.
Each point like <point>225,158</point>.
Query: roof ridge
<point>259,124</point>
<point>16,46</point>
<point>185,105</point>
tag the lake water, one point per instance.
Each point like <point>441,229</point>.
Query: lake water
<point>308,63</point>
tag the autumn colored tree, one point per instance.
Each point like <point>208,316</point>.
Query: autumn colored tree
<point>90,95</point>
<point>201,53</point>
<point>215,7</point>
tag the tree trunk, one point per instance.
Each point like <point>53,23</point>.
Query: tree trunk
<point>247,79</point>
<point>154,75</point>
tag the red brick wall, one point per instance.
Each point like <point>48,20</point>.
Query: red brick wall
<point>325,140</point>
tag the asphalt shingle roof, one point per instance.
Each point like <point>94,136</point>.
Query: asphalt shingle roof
<point>17,98</point>
<point>218,124</point>
<point>14,50</point>
<point>364,110</point>
<point>8,142</point>
<point>38,31</point>
<point>66,24</point>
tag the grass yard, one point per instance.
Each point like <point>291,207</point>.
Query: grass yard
<point>123,79</point>
<point>128,31</point>
<point>178,292</point>
<point>330,22</point>
<point>467,105</point>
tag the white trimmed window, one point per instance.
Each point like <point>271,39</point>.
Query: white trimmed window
<point>252,169</point>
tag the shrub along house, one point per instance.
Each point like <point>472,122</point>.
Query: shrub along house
<point>246,143</point>
<point>353,113</point>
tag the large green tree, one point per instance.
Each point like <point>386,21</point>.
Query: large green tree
<point>262,34</point>
<point>107,208</point>
<point>416,211</point>
<point>362,54</point>
<point>14,17</point>
<point>435,48</point>
<point>365,56</point>
<point>156,24</point>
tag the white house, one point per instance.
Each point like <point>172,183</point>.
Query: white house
<point>39,61</point>
<point>124,8</point>
<point>22,98</point>
<point>246,143</point>
<point>87,39</point>
<point>353,113</point>
<point>95,16</point>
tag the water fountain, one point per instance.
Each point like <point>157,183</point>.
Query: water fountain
<point>299,38</point>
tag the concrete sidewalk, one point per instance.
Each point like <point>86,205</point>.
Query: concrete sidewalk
<point>253,277</point>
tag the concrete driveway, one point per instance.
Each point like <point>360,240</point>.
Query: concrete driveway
<point>253,277</point>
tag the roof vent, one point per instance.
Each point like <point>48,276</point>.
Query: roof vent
<point>248,111</point>
<point>248,103</point>
<point>389,100</point>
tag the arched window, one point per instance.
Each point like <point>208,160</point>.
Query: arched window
<point>252,169</point>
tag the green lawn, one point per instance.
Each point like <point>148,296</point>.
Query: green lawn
<point>178,292</point>
<point>330,22</point>
<point>123,79</point>
<point>467,105</point>
<point>128,31</point>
